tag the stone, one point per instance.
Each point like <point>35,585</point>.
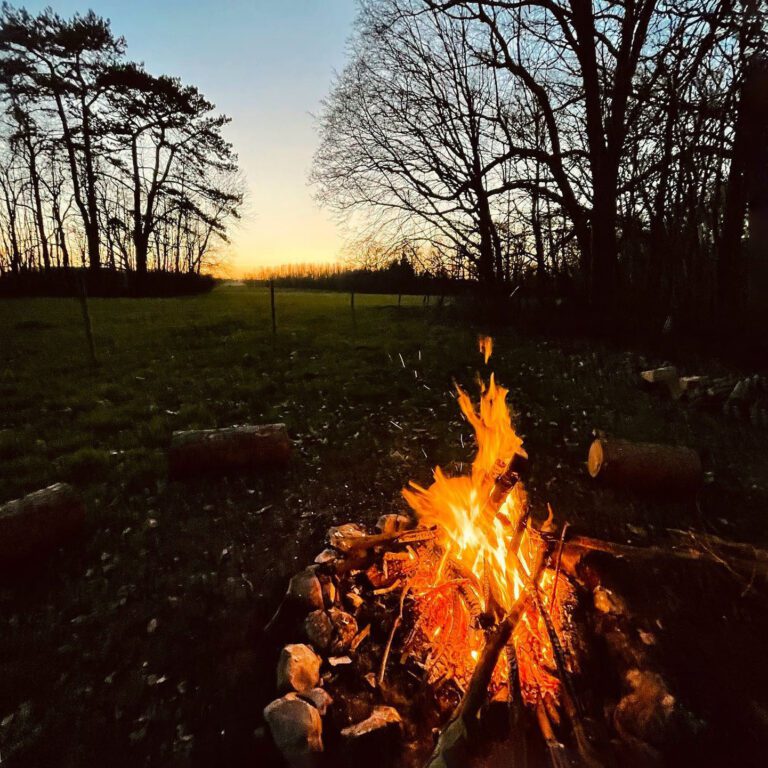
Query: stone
<point>319,698</point>
<point>298,668</point>
<point>296,728</point>
<point>609,602</point>
<point>338,534</point>
<point>329,593</point>
<point>305,589</point>
<point>344,630</point>
<point>319,630</point>
<point>376,735</point>
<point>393,523</point>
<point>647,711</point>
<point>327,556</point>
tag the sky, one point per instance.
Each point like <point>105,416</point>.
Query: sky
<point>267,64</point>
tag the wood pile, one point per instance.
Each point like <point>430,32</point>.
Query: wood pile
<point>741,398</point>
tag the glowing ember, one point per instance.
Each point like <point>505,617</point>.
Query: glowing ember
<point>488,552</point>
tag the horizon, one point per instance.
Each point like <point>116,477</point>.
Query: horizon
<point>241,66</point>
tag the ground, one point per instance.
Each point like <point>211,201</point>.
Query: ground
<point>138,644</point>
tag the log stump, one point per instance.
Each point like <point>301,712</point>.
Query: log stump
<point>645,467</point>
<point>233,449</point>
<point>34,526</point>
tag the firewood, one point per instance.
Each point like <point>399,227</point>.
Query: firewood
<point>35,525</point>
<point>233,449</point>
<point>645,467</point>
<point>741,558</point>
<point>665,377</point>
<point>453,740</point>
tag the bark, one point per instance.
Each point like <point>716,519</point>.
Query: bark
<point>646,467</point>
<point>34,526</point>
<point>233,449</point>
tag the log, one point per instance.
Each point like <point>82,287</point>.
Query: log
<point>232,449</point>
<point>645,467</point>
<point>36,525</point>
<point>452,745</point>
<point>740,558</point>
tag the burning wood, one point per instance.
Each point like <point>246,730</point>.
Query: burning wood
<point>470,601</point>
<point>440,600</point>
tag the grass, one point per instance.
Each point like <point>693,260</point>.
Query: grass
<point>138,644</point>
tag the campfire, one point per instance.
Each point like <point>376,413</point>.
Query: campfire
<point>410,631</point>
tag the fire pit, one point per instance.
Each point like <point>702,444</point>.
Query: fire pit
<point>464,618</point>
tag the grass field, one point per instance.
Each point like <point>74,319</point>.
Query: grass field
<point>138,645</point>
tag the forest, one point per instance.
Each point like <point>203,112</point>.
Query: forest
<point>612,151</point>
<point>104,165</point>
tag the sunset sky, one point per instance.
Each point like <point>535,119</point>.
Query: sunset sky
<point>266,64</point>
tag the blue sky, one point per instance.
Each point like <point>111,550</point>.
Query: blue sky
<point>267,65</point>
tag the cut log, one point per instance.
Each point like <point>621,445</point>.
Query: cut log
<point>233,449</point>
<point>667,376</point>
<point>36,525</point>
<point>645,467</point>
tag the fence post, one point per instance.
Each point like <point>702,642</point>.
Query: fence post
<point>272,302</point>
<point>87,320</point>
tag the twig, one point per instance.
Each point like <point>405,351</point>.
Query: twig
<point>395,625</point>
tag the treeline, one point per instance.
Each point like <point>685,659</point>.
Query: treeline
<point>396,277</point>
<point>103,164</point>
<point>615,150</point>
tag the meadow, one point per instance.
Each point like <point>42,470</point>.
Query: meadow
<point>139,643</point>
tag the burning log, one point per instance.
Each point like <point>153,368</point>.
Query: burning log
<point>645,466</point>
<point>233,449</point>
<point>35,525</point>
<point>453,740</point>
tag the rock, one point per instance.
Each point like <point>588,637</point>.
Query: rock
<point>296,728</point>
<point>339,534</point>
<point>327,556</point>
<point>330,631</point>
<point>35,526</point>
<point>298,668</point>
<point>375,736</point>
<point>344,630</point>
<point>329,593</point>
<point>394,523</point>
<point>646,712</point>
<point>319,698</point>
<point>609,602</point>
<point>305,589</point>
<point>319,630</point>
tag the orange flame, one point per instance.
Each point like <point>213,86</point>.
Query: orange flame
<point>482,519</point>
<point>479,530</point>
<point>486,347</point>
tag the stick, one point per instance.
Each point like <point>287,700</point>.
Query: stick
<point>395,625</point>
<point>87,321</point>
<point>758,564</point>
<point>454,738</point>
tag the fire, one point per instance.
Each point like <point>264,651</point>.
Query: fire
<point>489,551</point>
<point>483,525</point>
<point>486,347</point>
